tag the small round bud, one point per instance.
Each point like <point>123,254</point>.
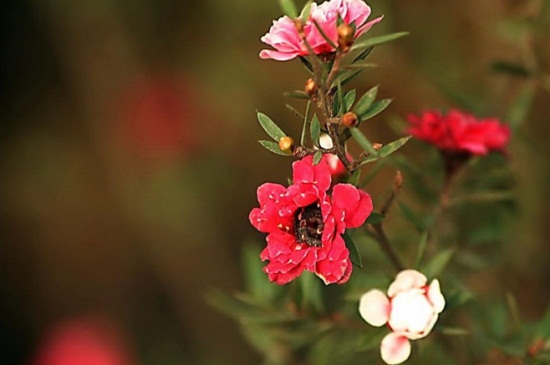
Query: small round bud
<point>346,37</point>
<point>350,119</point>
<point>377,146</point>
<point>286,144</point>
<point>311,87</point>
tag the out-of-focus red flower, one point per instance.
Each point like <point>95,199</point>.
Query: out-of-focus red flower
<point>155,117</point>
<point>284,37</point>
<point>460,133</point>
<point>83,341</point>
<point>305,224</point>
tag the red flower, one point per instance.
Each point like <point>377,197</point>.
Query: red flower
<point>304,224</point>
<point>460,132</point>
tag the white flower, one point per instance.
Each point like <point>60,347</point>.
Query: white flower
<point>410,309</point>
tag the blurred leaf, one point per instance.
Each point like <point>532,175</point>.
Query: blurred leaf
<point>371,339</point>
<point>387,150</point>
<point>421,248</point>
<point>458,298</point>
<point>484,197</point>
<point>341,101</point>
<point>306,63</point>
<point>306,10</point>
<point>365,101</point>
<point>375,109</point>
<point>363,141</point>
<point>521,107</point>
<point>378,40</point>
<point>375,218</point>
<point>289,9</point>
<point>315,130</point>
<point>513,308</point>
<point>453,331</point>
<point>412,217</point>
<point>512,69</point>
<point>438,263</point>
<point>311,292</point>
<point>361,56</point>
<point>297,94</point>
<point>317,157</point>
<point>373,172</point>
<point>273,147</point>
<point>294,111</point>
<point>543,328</point>
<point>345,76</point>
<point>270,128</point>
<point>354,254</point>
<point>354,177</point>
<point>304,127</point>
<point>361,65</point>
<point>256,280</point>
<point>349,99</point>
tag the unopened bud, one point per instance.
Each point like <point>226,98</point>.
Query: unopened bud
<point>311,87</point>
<point>398,180</point>
<point>346,36</point>
<point>286,144</point>
<point>350,119</point>
<point>377,146</point>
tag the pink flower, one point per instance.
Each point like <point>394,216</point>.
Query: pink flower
<point>460,133</point>
<point>305,224</point>
<point>410,310</point>
<point>284,37</point>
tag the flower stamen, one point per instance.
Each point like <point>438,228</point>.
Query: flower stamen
<point>308,225</point>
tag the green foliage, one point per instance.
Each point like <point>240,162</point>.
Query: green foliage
<point>273,147</point>
<point>376,41</point>
<point>289,8</point>
<point>270,127</point>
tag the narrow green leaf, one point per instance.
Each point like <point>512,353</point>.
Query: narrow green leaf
<point>361,56</point>
<point>345,77</point>
<point>315,130</point>
<point>289,8</point>
<point>324,35</point>
<point>354,178</point>
<point>412,217</point>
<point>294,111</point>
<point>273,147</point>
<point>361,65</point>
<point>378,40</point>
<point>365,101</point>
<point>304,127</point>
<point>421,248</point>
<point>297,94</point>
<point>438,263</point>
<point>311,291</point>
<point>372,173</point>
<point>375,218</point>
<point>270,127</point>
<point>520,108</point>
<point>349,99</point>
<point>513,308</point>
<point>363,141</point>
<point>341,100</point>
<point>317,157</point>
<point>375,109</point>
<point>306,63</point>
<point>453,331</point>
<point>387,150</point>
<point>543,330</point>
<point>306,10</point>
<point>354,255</point>
<point>512,69</point>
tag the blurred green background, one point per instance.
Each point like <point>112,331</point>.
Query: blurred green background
<point>129,159</point>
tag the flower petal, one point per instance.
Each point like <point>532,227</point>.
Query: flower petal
<point>374,307</point>
<point>305,172</point>
<point>395,349</point>
<point>350,205</point>
<point>435,297</point>
<point>405,280</point>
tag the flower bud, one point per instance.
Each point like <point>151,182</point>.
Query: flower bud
<point>377,146</point>
<point>350,119</point>
<point>286,144</point>
<point>346,36</point>
<point>311,87</point>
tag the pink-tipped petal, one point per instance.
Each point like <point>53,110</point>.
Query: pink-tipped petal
<point>395,349</point>
<point>374,307</point>
<point>405,280</point>
<point>435,296</point>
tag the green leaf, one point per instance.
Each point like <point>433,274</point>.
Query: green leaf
<point>387,150</point>
<point>378,40</point>
<point>412,216</point>
<point>257,283</point>
<point>375,109</point>
<point>421,248</point>
<point>363,141</point>
<point>438,263</point>
<point>521,107</point>
<point>315,130</point>
<point>366,101</point>
<point>289,8</point>
<point>354,178</point>
<point>361,65</point>
<point>349,99</point>
<point>512,69</point>
<point>317,157</point>
<point>341,101</point>
<point>294,111</point>
<point>354,255</point>
<point>306,63</point>
<point>304,127</point>
<point>345,76</point>
<point>543,330</point>
<point>453,331</point>
<point>273,147</point>
<point>375,218</point>
<point>361,56</point>
<point>270,127</point>
<point>297,94</point>
<point>306,10</point>
<point>311,292</point>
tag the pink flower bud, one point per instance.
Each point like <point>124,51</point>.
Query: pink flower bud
<point>410,310</point>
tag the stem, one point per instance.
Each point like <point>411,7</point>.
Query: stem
<point>385,245</point>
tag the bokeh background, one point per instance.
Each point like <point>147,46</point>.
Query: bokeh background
<point>129,159</point>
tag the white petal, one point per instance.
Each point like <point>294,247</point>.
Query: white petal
<point>405,280</point>
<point>435,296</point>
<point>395,349</point>
<point>374,307</point>
<point>325,141</point>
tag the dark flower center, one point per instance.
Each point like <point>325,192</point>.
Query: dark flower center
<point>308,225</point>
